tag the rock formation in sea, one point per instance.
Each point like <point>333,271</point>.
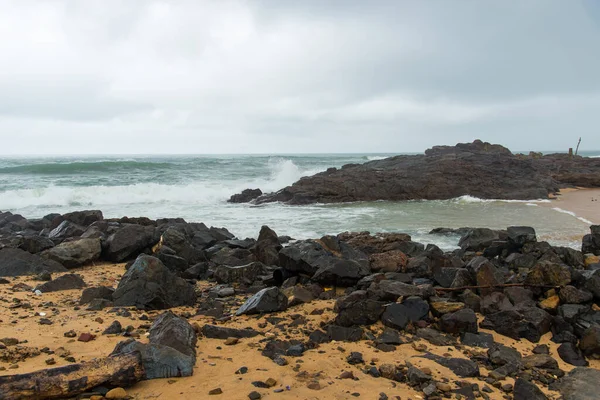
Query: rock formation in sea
<point>479,169</point>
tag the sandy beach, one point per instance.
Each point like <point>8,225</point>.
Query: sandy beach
<point>583,203</point>
<point>20,312</point>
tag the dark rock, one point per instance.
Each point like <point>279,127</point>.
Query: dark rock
<point>267,300</point>
<point>548,274</point>
<point>500,355</point>
<point>100,292</point>
<point>527,322</point>
<point>458,322</point>
<point>520,296</point>
<point>525,390</point>
<point>356,309</point>
<point>35,244</point>
<point>298,295</point>
<point>175,332</point>
<point>486,274</point>
<point>64,282</point>
<point>232,257</point>
<point>579,384</point>
<point>570,294</point>
<point>390,336</point>
<point>355,358</point>
<point>220,332</point>
<point>415,376</point>
<point>246,196</point>
<point>542,361</point>
<point>113,329</point>
<point>344,334</point>
<point>570,354</point>
<point>83,218</point>
<point>388,290</point>
<point>590,342</point>
<point>495,302</point>
<point>148,284</point>
<point>244,274</point>
<point>65,230</point>
<point>16,262</point>
<point>267,246</point>
<point>460,366</point>
<point>480,339</point>
<point>436,338</point>
<point>128,242</point>
<point>521,235</point>
<point>477,239</point>
<point>196,271</point>
<point>395,316</point>
<point>75,253</point>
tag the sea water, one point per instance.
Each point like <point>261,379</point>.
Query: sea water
<point>196,188</point>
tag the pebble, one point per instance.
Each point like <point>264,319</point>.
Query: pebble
<point>254,395</point>
<point>215,391</point>
<point>70,334</point>
<point>50,361</point>
<point>314,385</point>
<point>231,341</point>
<point>116,393</point>
<point>86,337</point>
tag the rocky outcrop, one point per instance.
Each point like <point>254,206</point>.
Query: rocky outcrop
<point>245,196</point>
<point>443,172</point>
<point>76,253</point>
<point>17,262</point>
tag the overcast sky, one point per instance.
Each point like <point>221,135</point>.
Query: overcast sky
<point>277,76</point>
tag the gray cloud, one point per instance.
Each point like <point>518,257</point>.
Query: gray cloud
<point>288,76</point>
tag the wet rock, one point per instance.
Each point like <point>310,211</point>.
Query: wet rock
<point>357,309</point>
<point>148,284</point>
<point>246,196</point>
<point>477,239</point>
<point>75,253</point>
<point>17,262</point>
<point>570,354</point>
<point>267,300</point>
<point>128,242</point>
<point>461,321</point>
<point>64,282</point>
<point>579,384</point>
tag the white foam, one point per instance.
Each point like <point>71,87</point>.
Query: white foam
<point>560,210</point>
<point>374,158</point>
<point>471,199</point>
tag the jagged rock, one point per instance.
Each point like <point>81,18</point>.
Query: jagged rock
<point>579,384</point>
<point>436,338</point>
<point>395,316</point>
<point>128,242</point>
<point>267,300</point>
<point>500,355</point>
<point>75,253</point>
<point>477,239</point>
<point>148,284</point>
<point>233,257</point>
<point>221,332</point>
<point>357,309</point>
<point>548,274</point>
<point>35,244</point>
<point>100,292</point>
<point>592,282</point>
<point>298,295</point>
<point>520,296</point>
<point>570,294</point>
<point>570,354</point>
<point>246,196</point>
<point>179,243</point>
<point>458,322</point>
<point>267,246</point>
<point>525,390</point>
<point>390,337</point>
<point>159,359</point>
<point>16,262</point>
<point>65,230</point>
<point>64,282</point>
<point>527,322</point>
<point>440,307</point>
<point>460,366</point>
<point>495,302</point>
<point>486,274</point>
<point>542,361</point>
<point>113,329</point>
<point>391,261</point>
<point>84,218</point>
<point>344,334</point>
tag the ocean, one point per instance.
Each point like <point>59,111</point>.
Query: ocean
<point>197,188</point>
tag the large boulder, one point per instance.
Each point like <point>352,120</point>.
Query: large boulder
<point>83,218</point>
<point>65,230</point>
<point>464,320</point>
<point>244,274</point>
<point>579,384</point>
<point>148,284</point>
<point>17,262</point>
<point>76,253</point>
<point>525,390</point>
<point>246,196</point>
<point>357,309</point>
<point>477,239</point>
<point>523,322</point>
<point>128,242</point>
<point>267,300</point>
<point>547,273</point>
<point>388,290</point>
<point>35,243</point>
<point>519,236</point>
<point>182,247</point>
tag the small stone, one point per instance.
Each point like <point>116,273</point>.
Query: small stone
<point>45,321</point>
<point>231,341</point>
<point>254,395</point>
<point>383,396</point>
<point>444,387</point>
<point>241,371</point>
<point>314,385</point>
<point>116,393</point>
<point>347,375</point>
<point>70,334</point>
<point>355,358</point>
<point>271,382</point>
<point>10,341</point>
<point>507,387</point>
<point>86,337</point>
<point>215,391</point>
<point>50,361</point>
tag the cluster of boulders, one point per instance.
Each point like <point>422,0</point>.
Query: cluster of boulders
<point>523,288</point>
<point>443,172</point>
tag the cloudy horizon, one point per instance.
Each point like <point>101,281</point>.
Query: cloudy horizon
<point>268,77</point>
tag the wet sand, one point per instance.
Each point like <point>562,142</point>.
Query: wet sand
<point>582,202</point>
<point>216,363</point>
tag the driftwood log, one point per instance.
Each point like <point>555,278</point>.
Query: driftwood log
<point>71,380</point>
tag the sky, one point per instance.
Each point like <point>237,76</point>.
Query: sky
<point>286,76</point>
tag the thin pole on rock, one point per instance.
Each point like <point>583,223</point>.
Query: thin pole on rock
<point>577,148</point>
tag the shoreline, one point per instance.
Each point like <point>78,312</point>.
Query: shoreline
<point>582,203</point>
